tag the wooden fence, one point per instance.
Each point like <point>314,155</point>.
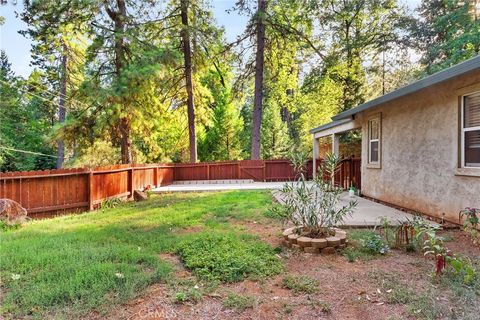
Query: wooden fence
<point>257,170</point>
<point>49,192</point>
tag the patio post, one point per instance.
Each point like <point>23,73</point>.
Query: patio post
<point>336,144</point>
<point>315,155</point>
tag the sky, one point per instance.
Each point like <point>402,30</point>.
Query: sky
<point>17,46</point>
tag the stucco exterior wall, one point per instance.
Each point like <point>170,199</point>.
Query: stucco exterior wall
<point>419,152</point>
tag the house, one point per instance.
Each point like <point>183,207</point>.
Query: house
<point>420,143</point>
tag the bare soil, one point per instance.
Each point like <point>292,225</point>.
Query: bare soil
<point>346,290</point>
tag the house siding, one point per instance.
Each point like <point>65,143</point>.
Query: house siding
<point>419,152</point>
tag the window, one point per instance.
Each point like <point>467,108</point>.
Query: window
<point>470,131</point>
<point>374,140</point>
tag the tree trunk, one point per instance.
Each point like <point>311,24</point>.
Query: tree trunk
<point>187,55</point>
<point>258,95</point>
<point>125,144</point>
<point>61,107</point>
<point>119,17</point>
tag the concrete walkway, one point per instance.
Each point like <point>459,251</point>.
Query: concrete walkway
<point>201,187</point>
<point>366,214</point>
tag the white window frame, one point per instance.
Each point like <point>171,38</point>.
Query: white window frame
<point>374,164</point>
<point>463,130</point>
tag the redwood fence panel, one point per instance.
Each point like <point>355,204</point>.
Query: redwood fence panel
<point>50,192</point>
<point>47,191</point>
<point>223,171</point>
<point>279,170</point>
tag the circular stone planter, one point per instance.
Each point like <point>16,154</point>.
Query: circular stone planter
<point>326,245</point>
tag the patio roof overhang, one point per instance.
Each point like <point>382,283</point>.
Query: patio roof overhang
<point>336,127</point>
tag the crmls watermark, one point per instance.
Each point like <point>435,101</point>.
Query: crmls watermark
<point>155,314</point>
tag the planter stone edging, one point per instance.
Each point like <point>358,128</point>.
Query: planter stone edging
<point>326,245</point>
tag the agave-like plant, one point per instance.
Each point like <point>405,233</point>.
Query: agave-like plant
<point>313,206</point>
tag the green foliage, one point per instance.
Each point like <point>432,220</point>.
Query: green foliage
<point>100,153</point>
<point>301,284</point>
<point>239,302</point>
<point>110,203</point>
<point>222,136</point>
<point>188,289</point>
<point>7,227</point>
<point>472,222</point>
<point>365,245</point>
<point>374,244</point>
<point>26,119</point>
<point>447,33</point>
<point>228,257</point>
<point>275,140</point>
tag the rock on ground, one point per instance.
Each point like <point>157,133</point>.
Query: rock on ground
<point>139,195</point>
<point>12,212</point>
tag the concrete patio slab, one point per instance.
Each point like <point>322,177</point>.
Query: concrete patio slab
<point>201,187</point>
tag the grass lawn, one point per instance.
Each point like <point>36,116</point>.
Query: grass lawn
<point>71,265</point>
<point>218,255</point>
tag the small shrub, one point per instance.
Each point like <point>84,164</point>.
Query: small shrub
<point>300,284</point>
<point>189,289</point>
<point>314,206</point>
<point>374,244</point>
<point>433,245</point>
<point>228,257</point>
<point>472,221</point>
<point>180,297</point>
<point>110,203</point>
<point>351,254</point>
<point>464,271</point>
<point>239,302</point>
<point>365,245</point>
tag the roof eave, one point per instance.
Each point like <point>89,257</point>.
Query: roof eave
<point>330,125</point>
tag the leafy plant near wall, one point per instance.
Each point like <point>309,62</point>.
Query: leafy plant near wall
<point>313,207</point>
<point>472,220</point>
<point>433,245</point>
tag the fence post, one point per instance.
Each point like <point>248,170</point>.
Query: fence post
<point>208,171</point>
<point>263,170</point>
<point>130,182</point>
<point>90,187</point>
<point>350,179</point>
<point>155,177</point>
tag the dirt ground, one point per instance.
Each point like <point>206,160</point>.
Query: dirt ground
<point>349,290</point>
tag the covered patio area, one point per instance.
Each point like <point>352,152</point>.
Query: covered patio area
<point>327,139</point>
